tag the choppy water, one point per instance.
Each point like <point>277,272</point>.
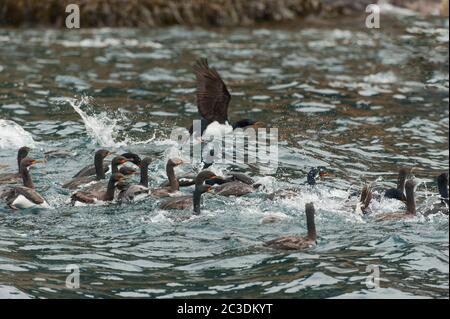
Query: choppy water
<point>361,102</point>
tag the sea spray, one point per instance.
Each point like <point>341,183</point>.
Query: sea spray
<point>100,127</point>
<point>105,128</point>
<point>12,135</point>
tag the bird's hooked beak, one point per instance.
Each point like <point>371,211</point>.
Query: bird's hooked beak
<point>178,162</point>
<point>324,173</point>
<point>34,162</point>
<point>411,172</point>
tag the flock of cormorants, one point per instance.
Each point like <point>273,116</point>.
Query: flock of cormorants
<point>91,184</point>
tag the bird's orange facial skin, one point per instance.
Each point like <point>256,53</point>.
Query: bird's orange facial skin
<point>322,174</point>
<point>122,161</point>
<point>34,162</point>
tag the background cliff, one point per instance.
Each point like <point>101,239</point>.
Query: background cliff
<point>144,13</point>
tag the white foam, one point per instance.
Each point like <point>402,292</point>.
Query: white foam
<point>273,217</point>
<point>98,42</point>
<point>99,127</point>
<point>381,77</point>
<point>103,128</point>
<point>12,135</point>
<point>388,8</point>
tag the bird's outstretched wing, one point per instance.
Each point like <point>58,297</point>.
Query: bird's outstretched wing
<point>212,94</point>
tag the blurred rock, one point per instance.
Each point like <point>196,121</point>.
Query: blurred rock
<point>147,13</point>
<point>424,7</point>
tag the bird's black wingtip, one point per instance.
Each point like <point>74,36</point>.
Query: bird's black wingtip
<point>201,63</point>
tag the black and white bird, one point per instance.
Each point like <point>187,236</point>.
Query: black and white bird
<point>23,197</point>
<point>213,99</point>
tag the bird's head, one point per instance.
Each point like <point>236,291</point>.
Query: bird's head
<point>119,160</point>
<point>23,151</point>
<point>146,162</point>
<point>246,123</point>
<point>174,162</point>
<point>133,158</point>
<point>315,173</point>
<point>206,176</point>
<point>102,153</point>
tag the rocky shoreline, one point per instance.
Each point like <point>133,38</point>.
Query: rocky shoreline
<point>148,13</point>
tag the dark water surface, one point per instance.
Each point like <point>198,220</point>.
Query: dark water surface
<point>360,102</point>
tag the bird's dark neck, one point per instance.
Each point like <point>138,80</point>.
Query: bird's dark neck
<point>99,170</point>
<point>109,195</point>
<point>20,157</point>
<point>197,201</point>
<point>443,190</point>
<point>410,201</point>
<point>311,178</point>
<point>114,168</point>
<point>310,224</point>
<point>144,176</point>
<point>26,178</point>
<point>401,184</point>
<point>173,182</point>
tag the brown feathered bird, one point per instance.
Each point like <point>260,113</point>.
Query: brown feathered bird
<point>298,242</point>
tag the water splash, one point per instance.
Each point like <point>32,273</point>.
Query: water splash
<point>104,128</point>
<point>12,135</point>
<point>100,127</point>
